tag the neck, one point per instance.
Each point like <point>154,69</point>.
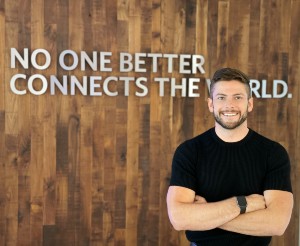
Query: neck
<point>232,135</point>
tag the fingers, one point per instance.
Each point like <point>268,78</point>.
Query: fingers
<point>199,199</point>
<point>255,202</point>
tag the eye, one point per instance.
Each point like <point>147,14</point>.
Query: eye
<point>220,98</point>
<point>238,97</point>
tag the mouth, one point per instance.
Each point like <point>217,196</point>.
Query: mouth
<point>229,114</point>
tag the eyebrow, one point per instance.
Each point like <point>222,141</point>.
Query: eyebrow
<point>236,94</point>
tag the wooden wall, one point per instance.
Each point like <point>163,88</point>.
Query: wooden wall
<point>83,170</point>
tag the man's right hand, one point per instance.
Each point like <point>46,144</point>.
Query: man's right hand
<point>255,202</point>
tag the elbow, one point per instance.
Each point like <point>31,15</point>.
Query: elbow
<point>175,218</point>
<point>176,223</point>
<point>279,230</point>
<point>280,227</point>
<point>177,227</point>
<point>283,225</point>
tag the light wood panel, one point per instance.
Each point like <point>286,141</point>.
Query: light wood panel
<point>83,170</point>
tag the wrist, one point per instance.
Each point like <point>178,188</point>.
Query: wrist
<point>242,203</point>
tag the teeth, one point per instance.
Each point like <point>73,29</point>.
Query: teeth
<point>228,114</point>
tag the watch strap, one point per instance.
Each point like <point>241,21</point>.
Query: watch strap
<point>242,203</point>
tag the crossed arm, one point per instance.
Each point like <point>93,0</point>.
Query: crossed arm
<point>266,215</point>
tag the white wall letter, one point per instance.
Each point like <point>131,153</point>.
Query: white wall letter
<point>47,61</point>
<point>170,58</point>
<point>106,89</point>
<point>255,85</point>
<point>198,65</point>
<point>104,61</point>
<point>84,58</point>
<point>193,87</point>
<point>44,84</point>
<point>264,93</point>
<point>183,63</point>
<point>13,84</point>
<point>62,60</point>
<point>138,62</point>
<point>15,54</point>
<point>154,61</point>
<point>181,87</point>
<point>275,88</point>
<point>55,82</point>
<point>126,84</point>
<point>161,82</point>
<point>125,59</point>
<point>141,86</point>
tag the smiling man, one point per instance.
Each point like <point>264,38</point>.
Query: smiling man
<point>230,185</point>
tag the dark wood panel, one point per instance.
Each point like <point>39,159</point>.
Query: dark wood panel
<point>84,170</point>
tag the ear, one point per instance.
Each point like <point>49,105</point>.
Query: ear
<point>250,104</point>
<point>210,105</point>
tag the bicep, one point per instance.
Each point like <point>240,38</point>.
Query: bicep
<point>178,194</point>
<point>177,197</point>
<point>279,201</point>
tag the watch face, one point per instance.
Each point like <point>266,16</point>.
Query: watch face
<point>242,202</point>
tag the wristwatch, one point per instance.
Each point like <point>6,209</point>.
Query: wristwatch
<point>242,203</point>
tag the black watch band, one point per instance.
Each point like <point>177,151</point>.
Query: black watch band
<point>242,203</point>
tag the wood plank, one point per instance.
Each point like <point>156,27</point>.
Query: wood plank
<point>2,178</point>
<point>85,177</point>
<point>165,124</point>
<point>98,178</point>
<point>238,34</point>
<point>132,191</point>
<point>223,30</point>
<point>292,233</point>
<point>155,99</point>
<point>2,128</point>
<point>2,55</point>
<point>203,122</point>
<point>24,129</point>
<point>253,36</point>
<point>37,136</point>
<point>50,148</point>
<point>121,173</point>
<point>146,190</point>
<point>212,28</point>
<point>109,178</point>
<point>10,228</point>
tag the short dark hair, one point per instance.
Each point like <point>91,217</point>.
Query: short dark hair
<point>227,74</point>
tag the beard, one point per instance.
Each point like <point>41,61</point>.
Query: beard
<point>231,125</point>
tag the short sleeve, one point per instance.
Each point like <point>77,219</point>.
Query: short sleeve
<point>184,166</point>
<point>278,175</point>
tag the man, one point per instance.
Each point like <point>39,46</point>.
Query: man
<point>230,185</point>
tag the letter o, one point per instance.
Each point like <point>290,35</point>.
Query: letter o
<point>47,56</point>
<point>62,60</point>
<point>44,82</point>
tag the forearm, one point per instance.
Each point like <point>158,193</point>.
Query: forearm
<point>203,216</point>
<point>258,223</point>
<point>270,221</point>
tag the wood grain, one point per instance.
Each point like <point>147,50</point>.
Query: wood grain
<point>94,170</point>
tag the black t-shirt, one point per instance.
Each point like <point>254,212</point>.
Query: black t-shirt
<point>217,170</point>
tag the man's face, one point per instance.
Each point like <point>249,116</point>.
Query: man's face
<point>230,104</point>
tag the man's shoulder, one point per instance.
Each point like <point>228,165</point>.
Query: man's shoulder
<point>196,143</point>
<point>265,142</point>
<point>201,138</point>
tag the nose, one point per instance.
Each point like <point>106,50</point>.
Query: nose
<point>229,103</point>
